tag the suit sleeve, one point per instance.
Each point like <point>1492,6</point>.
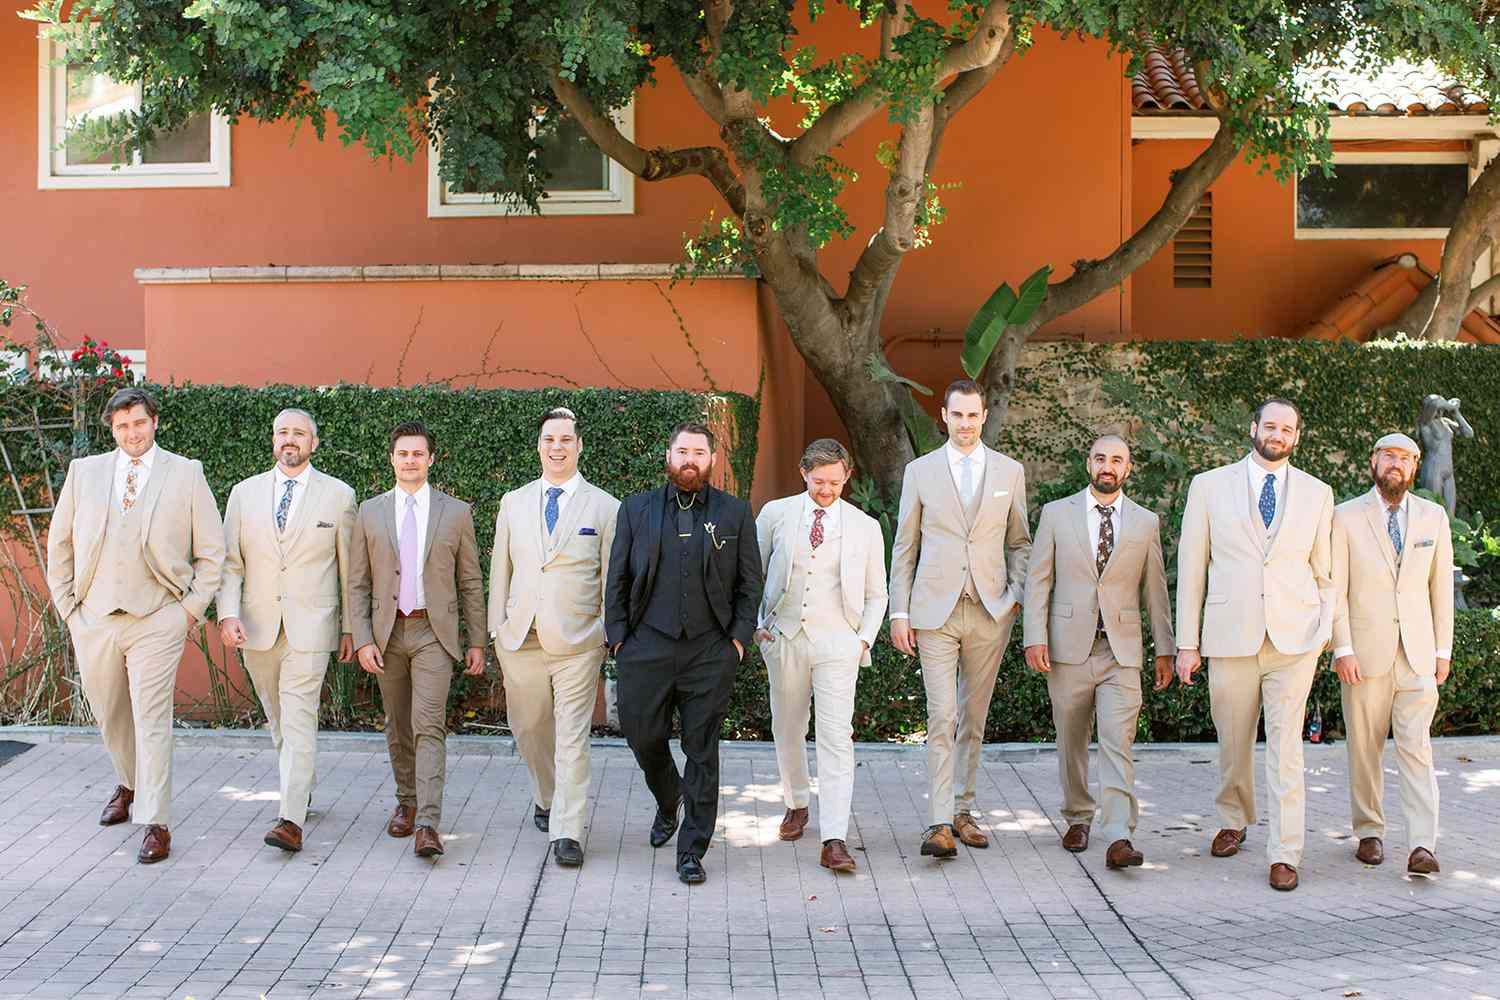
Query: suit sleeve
<point>208,547</point>
<point>1158,597</point>
<point>500,569</point>
<point>1037,603</point>
<point>1017,541</point>
<point>606,547</point>
<point>765,538</point>
<point>357,585</point>
<point>344,546</point>
<point>1343,639</point>
<point>877,595</point>
<point>1441,588</point>
<point>1192,565</point>
<point>60,568</point>
<point>1321,561</point>
<point>471,582</point>
<point>230,587</point>
<point>749,582</point>
<point>617,581</point>
<point>904,547</point>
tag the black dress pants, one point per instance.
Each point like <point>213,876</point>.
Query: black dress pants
<point>657,674</point>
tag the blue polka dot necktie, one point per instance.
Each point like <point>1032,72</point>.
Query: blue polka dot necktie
<point>553,492</point>
<point>1268,499</point>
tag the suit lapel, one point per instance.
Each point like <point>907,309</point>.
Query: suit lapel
<point>438,503</point>
<point>1079,521</point>
<point>567,523</point>
<point>154,487</point>
<point>712,504</point>
<point>1248,507</point>
<point>388,515</point>
<point>530,525</point>
<point>302,512</point>
<point>852,556</point>
<point>786,540</point>
<point>948,488</point>
<point>101,483</point>
<point>1376,521</point>
<point>656,508</point>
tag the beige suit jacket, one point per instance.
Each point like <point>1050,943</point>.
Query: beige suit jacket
<point>1065,592</point>
<point>861,564</point>
<point>290,579</point>
<point>182,536</point>
<point>1283,590</point>
<point>555,584</point>
<point>1381,606</point>
<point>935,544</point>
<point>450,574</point>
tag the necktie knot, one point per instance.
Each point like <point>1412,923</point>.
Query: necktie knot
<point>1104,511</point>
<point>553,492</point>
<point>135,461</point>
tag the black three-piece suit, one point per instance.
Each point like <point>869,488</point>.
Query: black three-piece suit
<point>683,582</point>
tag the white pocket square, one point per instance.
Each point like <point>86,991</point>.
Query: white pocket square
<point>1002,493</point>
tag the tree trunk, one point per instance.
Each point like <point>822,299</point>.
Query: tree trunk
<point>1439,312</point>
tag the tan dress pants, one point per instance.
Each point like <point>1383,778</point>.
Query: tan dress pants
<point>1402,703</point>
<point>289,684</point>
<point>128,666</point>
<point>1078,691</point>
<point>414,688</point>
<point>1238,688</point>
<point>959,664</point>
<point>549,703</point>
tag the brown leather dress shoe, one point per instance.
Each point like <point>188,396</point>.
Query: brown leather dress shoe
<point>156,845</point>
<point>1422,862</point>
<point>793,823</point>
<point>1076,839</point>
<point>1370,851</point>
<point>1227,843</point>
<point>427,843</point>
<point>285,835</point>
<point>1122,854</point>
<point>401,822</point>
<point>939,843</point>
<point>1283,877</point>
<point>968,831</point>
<point>835,856</point>
<point>117,810</point>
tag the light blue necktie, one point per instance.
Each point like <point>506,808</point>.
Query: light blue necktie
<point>550,513</point>
<point>285,507</point>
<point>1268,499</point>
<point>1393,528</point>
<point>966,477</point>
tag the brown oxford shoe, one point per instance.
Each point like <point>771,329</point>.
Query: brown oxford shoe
<point>1422,862</point>
<point>1283,877</point>
<point>968,831</point>
<point>1076,839</point>
<point>836,857</point>
<point>285,835</point>
<point>401,822</point>
<point>1122,854</point>
<point>117,810</point>
<point>1227,843</point>
<point>938,843</point>
<point>793,823</point>
<point>1370,851</point>
<point>427,843</point>
<point>156,845</point>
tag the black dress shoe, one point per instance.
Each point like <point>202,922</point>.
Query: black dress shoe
<point>542,818</point>
<point>664,826</point>
<point>567,852</point>
<point>690,869</point>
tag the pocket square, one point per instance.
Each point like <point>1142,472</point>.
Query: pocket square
<point>1425,543</point>
<point>325,524</point>
<point>1002,493</point>
<point>587,531</point>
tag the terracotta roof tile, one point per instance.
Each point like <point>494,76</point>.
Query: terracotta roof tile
<point>1379,300</point>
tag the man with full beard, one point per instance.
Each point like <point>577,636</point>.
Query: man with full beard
<point>1392,638</point>
<point>680,606</point>
<point>1257,532</point>
<point>1097,553</point>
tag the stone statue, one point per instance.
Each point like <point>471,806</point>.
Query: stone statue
<point>1437,421</point>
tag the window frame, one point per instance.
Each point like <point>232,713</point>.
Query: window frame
<point>617,199</point>
<point>1456,157</point>
<point>53,174</point>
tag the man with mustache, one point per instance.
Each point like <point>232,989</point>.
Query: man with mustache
<point>287,535</point>
<point>1095,555</point>
<point>680,607</point>
<point>1257,534</point>
<point>1393,639</point>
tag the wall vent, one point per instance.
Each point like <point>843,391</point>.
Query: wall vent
<point>1193,248</point>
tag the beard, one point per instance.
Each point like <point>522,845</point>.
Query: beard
<point>1392,486</point>
<point>1105,483</point>
<point>291,458</point>
<point>687,477</point>
<point>1271,452</point>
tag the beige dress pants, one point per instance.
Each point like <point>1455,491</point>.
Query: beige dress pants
<point>549,703</point>
<point>806,675</point>
<point>1238,688</point>
<point>1402,703</point>
<point>128,666</point>
<point>1079,691</point>
<point>414,689</point>
<point>959,664</point>
<point>289,684</point>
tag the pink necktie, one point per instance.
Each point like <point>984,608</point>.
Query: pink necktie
<point>407,601</point>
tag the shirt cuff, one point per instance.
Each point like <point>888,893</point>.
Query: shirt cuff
<point>1342,651</point>
<point>897,616</point>
<point>1192,648</point>
<point>1445,654</point>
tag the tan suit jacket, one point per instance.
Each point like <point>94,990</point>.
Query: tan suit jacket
<point>1380,606</point>
<point>1065,592</point>
<point>861,563</point>
<point>935,543</point>
<point>182,536</point>
<point>1283,590</point>
<point>450,574</point>
<point>288,579</point>
<point>555,584</point>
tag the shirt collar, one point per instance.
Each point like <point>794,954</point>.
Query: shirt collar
<point>1385,507</point>
<point>301,478</point>
<point>147,460</point>
<point>1115,505</point>
<point>810,507</point>
<point>955,456</point>
<point>673,493</point>
<point>568,488</point>
<point>1258,472</point>
<point>423,495</point>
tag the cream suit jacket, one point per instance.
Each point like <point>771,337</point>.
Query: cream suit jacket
<point>556,583</point>
<point>1283,589</point>
<point>1380,605</point>
<point>182,536</point>
<point>289,579</point>
<point>861,563</point>
<point>450,574</point>
<point>935,543</point>
<point>1065,592</point>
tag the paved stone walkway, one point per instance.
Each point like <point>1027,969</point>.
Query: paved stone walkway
<point>357,915</point>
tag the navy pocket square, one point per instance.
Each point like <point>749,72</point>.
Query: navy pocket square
<point>325,524</point>
<point>587,531</point>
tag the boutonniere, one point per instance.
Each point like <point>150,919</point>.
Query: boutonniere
<point>709,527</point>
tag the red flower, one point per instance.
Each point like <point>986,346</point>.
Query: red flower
<point>77,354</point>
<point>117,372</point>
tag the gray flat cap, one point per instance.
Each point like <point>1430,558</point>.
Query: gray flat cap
<point>1397,441</point>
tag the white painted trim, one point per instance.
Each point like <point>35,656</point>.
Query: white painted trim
<point>51,93</point>
<point>617,199</point>
<point>1375,157</point>
<point>416,272</point>
<point>1393,127</point>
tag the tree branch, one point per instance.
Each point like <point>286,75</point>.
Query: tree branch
<point>1483,290</point>
<point>705,90</point>
<point>1466,238</point>
<point>964,88</point>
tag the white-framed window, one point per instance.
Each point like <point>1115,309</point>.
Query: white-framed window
<point>197,155</point>
<point>1382,195</point>
<point>584,180</point>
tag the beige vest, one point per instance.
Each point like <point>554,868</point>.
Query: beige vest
<point>123,581</point>
<point>813,601</point>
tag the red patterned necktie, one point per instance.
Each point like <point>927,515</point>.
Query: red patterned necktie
<point>816,538</point>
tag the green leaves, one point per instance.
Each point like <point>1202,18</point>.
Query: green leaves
<point>1002,309</point>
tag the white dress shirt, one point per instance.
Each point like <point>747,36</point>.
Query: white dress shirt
<point>301,479</point>
<point>569,488</point>
<point>142,473</point>
<point>810,507</point>
<point>1402,521</point>
<point>424,505</point>
<point>976,468</point>
<point>1096,520</point>
<point>1256,476</point>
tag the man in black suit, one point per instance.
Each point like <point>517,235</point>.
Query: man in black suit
<point>679,611</point>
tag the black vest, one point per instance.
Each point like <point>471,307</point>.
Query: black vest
<point>678,604</point>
